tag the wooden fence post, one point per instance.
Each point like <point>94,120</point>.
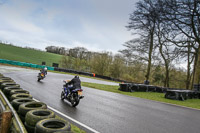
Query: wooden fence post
<point>6,118</point>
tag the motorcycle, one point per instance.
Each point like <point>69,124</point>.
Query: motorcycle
<point>41,76</point>
<point>74,96</point>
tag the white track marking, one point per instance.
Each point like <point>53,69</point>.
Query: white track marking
<point>75,121</point>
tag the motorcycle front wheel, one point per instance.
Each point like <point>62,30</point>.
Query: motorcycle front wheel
<point>62,95</point>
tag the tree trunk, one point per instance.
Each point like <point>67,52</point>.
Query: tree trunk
<point>194,70</point>
<point>167,74</point>
<point>188,68</point>
<point>166,61</point>
<point>150,55</point>
<point>197,68</point>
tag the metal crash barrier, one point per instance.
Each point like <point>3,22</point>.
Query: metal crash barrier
<point>24,64</point>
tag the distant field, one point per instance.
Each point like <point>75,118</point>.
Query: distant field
<point>28,55</point>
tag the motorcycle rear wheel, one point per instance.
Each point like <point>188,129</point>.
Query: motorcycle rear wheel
<point>74,100</point>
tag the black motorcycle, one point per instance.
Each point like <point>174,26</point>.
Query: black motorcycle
<point>41,76</point>
<point>74,96</point>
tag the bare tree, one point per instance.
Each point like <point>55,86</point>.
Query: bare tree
<point>183,17</point>
<point>142,22</point>
<point>168,53</point>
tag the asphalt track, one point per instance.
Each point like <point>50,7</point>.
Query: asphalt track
<point>108,112</point>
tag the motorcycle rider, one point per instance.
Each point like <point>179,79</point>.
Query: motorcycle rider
<point>75,82</point>
<point>44,70</point>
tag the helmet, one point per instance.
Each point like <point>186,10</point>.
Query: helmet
<point>45,68</point>
<point>76,76</point>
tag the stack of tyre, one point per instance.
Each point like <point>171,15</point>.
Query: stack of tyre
<point>125,87</point>
<point>35,115</point>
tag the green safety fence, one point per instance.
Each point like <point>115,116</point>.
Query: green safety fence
<point>17,63</point>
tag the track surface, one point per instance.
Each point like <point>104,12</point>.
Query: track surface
<point>108,112</point>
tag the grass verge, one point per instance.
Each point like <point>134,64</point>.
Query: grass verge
<point>192,103</point>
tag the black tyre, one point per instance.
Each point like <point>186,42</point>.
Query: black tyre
<point>38,79</point>
<point>74,104</point>
<point>30,129</point>
<point>6,80</point>
<point>2,78</point>
<point>20,95</point>
<point>16,102</point>
<point>7,90</point>
<point>8,84</point>
<point>166,95</point>
<point>52,125</point>
<point>33,116</point>
<point>25,107</point>
<point>16,91</point>
<point>62,95</point>
<point>74,100</point>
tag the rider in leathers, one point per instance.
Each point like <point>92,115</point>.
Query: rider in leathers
<point>76,84</point>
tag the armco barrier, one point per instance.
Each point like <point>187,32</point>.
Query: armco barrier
<point>18,63</point>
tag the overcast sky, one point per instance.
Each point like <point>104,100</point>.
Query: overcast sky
<point>97,25</point>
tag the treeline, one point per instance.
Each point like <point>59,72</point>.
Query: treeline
<point>118,66</point>
<point>56,50</point>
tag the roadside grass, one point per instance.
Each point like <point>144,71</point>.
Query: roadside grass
<point>10,52</point>
<point>192,103</point>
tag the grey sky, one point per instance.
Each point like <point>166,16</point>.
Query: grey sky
<point>97,25</point>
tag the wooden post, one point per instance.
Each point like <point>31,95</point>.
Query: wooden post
<point>6,121</point>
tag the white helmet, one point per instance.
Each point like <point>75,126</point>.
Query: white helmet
<point>45,68</point>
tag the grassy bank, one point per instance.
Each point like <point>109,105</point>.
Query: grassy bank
<point>192,103</point>
<point>10,52</point>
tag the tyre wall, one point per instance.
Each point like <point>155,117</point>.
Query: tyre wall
<point>33,116</point>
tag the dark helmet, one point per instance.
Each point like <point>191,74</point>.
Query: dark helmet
<point>76,76</point>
